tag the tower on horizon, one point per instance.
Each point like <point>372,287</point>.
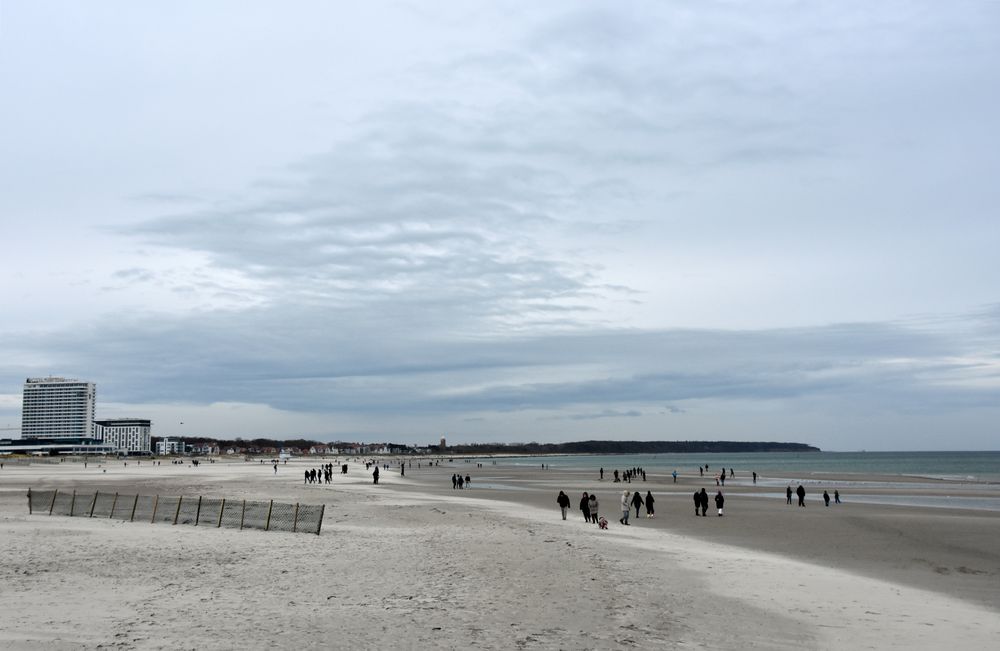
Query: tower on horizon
<point>58,408</point>
<point>443,443</point>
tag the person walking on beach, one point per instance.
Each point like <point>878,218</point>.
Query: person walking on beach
<point>788,494</point>
<point>375,474</point>
<point>801,492</point>
<point>675,476</point>
<point>719,502</point>
<point>649,504</point>
<point>563,502</point>
<point>697,502</point>
<point>836,497</point>
<point>468,481</point>
<point>593,508</point>
<point>755,478</point>
<point>704,502</point>
<point>461,481</point>
<point>454,481</point>
<point>826,498</point>
<point>626,507</point>
<point>637,503</point>
<point>585,506</point>
<point>602,474</point>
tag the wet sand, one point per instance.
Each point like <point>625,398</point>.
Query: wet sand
<point>415,564</point>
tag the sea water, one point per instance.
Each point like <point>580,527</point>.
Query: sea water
<point>954,466</point>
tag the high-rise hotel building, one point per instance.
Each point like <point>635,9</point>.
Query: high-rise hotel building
<point>126,435</point>
<point>57,408</point>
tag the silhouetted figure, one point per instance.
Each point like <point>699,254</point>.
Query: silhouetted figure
<point>602,474</point>
<point>649,504</point>
<point>731,473</point>
<point>836,497</point>
<point>701,471</point>
<point>719,502</point>
<point>788,494</point>
<point>375,474</point>
<point>454,481</point>
<point>637,502</point>
<point>461,482</point>
<point>703,498</point>
<point>801,492</point>
<point>468,481</point>
<point>585,506</point>
<point>675,476</point>
<point>826,498</point>
<point>563,502</point>
<point>697,502</point>
<point>616,476</point>
<point>755,478</point>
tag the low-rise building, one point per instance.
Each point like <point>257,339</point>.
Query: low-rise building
<point>170,445</point>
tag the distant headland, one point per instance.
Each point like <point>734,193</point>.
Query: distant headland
<point>629,447</point>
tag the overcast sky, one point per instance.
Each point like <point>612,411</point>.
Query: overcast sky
<point>508,221</point>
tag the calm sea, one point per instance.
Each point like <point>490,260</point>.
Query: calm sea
<point>960,466</point>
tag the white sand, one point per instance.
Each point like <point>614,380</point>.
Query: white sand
<point>403,566</point>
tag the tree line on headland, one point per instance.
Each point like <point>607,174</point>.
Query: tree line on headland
<point>629,447</point>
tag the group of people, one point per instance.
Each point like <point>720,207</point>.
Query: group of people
<point>321,475</point>
<point>627,475</point>
<point>800,492</point>
<point>457,481</point>
<point>589,506</point>
<point>701,502</point>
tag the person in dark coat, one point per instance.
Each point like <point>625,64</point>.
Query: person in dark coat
<point>788,494</point>
<point>719,502</point>
<point>697,501</point>
<point>826,498</point>
<point>375,474</point>
<point>703,498</point>
<point>454,481</point>
<point>649,504</point>
<point>836,497</point>
<point>636,502</point>
<point>801,492</point>
<point>563,502</point>
<point>585,507</point>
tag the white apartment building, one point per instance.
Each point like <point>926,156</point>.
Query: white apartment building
<point>58,408</point>
<point>170,445</point>
<point>127,435</point>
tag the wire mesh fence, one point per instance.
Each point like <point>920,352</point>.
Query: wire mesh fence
<point>190,510</point>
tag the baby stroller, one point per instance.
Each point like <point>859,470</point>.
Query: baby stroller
<point>602,523</point>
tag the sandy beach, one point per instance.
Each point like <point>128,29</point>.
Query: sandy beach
<point>416,564</point>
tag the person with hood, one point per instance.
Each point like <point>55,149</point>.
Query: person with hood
<point>593,507</point>
<point>719,502</point>
<point>649,504</point>
<point>636,502</point>
<point>563,502</point>
<point>801,492</point>
<point>704,502</point>
<point>585,506</point>
<point>626,507</point>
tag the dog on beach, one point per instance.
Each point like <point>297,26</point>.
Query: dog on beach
<point>602,523</point>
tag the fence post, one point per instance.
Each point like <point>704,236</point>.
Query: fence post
<point>156,503</point>
<point>72,504</point>
<point>319,524</point>
<point>267,525</point>
<point>113,505</point>
<point>243,514</point>
<point>177,513</point>
<point>52,504</point>
<point>131,518</point>
<point>93,503</point>
<point>222,509</point>
<point>295,520</point>
<point>197,514</point>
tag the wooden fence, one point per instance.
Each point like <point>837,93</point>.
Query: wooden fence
<point>196,511</point>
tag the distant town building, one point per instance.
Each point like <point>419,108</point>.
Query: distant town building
<point>170,445</point>
<point>443,443</point>
<point>58,408</point>
<point>126,435</point>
